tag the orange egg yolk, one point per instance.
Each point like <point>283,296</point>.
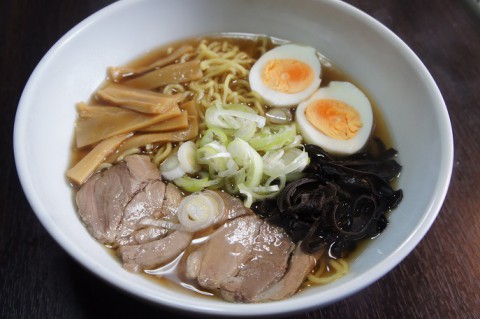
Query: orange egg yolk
<point>287,75</point>
<point>334,118</point>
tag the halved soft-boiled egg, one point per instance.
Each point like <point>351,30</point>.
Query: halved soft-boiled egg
<point>338,118</point>
<point>286,75</point>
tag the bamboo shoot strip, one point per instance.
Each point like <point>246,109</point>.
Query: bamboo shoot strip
<point>119,73</point>
<point>96,123</point>
<point>79,173</point>
<point>143,101</point>
<point>190,107</point>
<point>174,124</point>
<point>171,74</point>
<point>140,140</point>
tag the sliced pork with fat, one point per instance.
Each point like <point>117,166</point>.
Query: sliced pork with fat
<point>155,253</point>
<point>266,264</point>
<point>151,247</point>
<point>111,203</point>
<point>233,207</point>
<point>240,268</point>
<point>148,234</point>
<point>173,197</point>
<point>101,201</point>
<point>301,264</point>
<point>145,203</point>
<point>222,255</point>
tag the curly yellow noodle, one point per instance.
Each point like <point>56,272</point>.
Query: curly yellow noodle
<point>322,267</point>
<point>206,52</point>
<point>173,88</point>
<point>162,153</point>
<point>262,48</point>
<point>131,151</point>
<point>103,166</point>
<point>186,57</point>
<point>322,276</point>
<point>226,88</point>
<point>223,62</point>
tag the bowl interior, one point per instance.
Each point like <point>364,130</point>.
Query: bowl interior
<point>383,65</point>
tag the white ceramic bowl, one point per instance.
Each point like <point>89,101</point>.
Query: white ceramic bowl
<point>372,55</point>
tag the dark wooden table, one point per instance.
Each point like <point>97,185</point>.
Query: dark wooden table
<point>439,279</point>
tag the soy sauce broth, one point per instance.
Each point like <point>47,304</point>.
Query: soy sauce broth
<point>330,72</point>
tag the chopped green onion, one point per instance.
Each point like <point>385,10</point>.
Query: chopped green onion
<point>200,210</point>
<point>245,156</point>
<point>214,134</point>
<point>283,162</point>
<point>273,137</point>
<point>232,117</point>
<point>215,156</point>
<point>186,157</point>
<point>171,169</point>
<point>192,185</point>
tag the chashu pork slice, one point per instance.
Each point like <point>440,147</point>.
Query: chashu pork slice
<point>145,203</point>
<point>150,247</point>
<point>155,253</point>
<point>266,265</point>
<point>222,255</point>
<point>300,266</point>
<point>249,260</point>
<point>101,200</point>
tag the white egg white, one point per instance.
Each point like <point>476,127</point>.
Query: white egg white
<point>345,92</point>
<point>304,54</point>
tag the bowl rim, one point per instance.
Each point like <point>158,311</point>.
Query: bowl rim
<point>288,306</point>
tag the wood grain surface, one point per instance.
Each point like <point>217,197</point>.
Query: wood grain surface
<point>439,279</point>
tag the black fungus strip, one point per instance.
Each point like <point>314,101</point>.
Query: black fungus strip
<point>338,202</point>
